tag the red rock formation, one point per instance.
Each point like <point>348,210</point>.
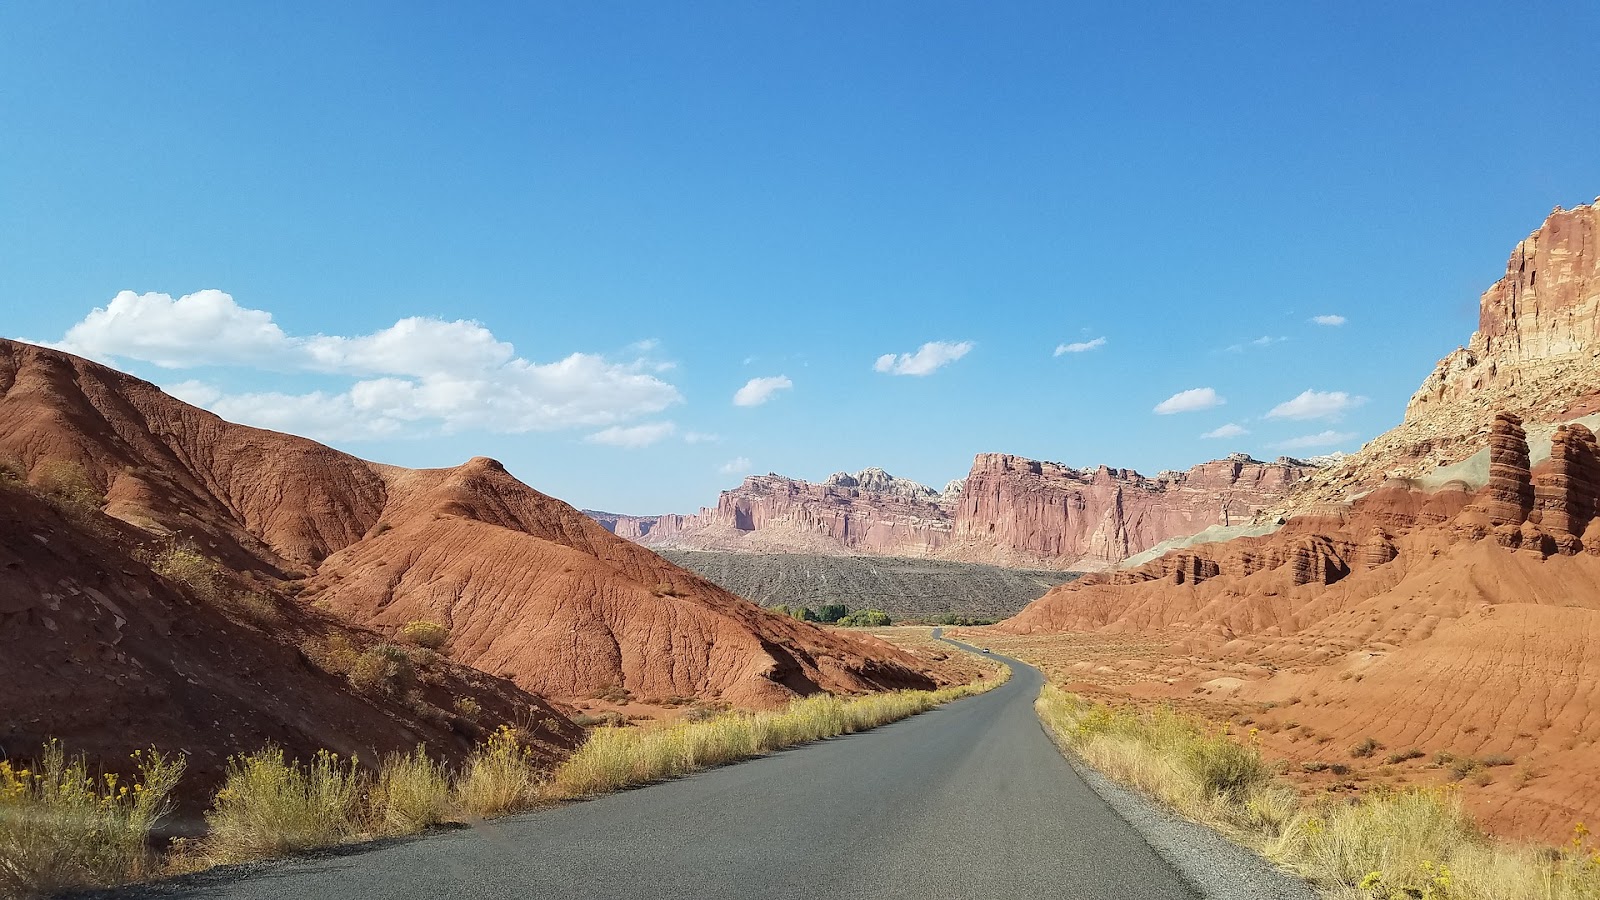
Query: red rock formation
<point>530,588</point>
<point>1508,497</point>
<point>1565,492</point>
<point>870,512</point>
<point>1016,510</point>
<point>99,652</point>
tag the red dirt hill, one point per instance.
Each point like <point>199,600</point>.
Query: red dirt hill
<point>1446,622</point>
<point>529,587</point>
<point>100,652</point>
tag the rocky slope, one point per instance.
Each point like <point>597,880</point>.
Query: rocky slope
<point>1008,511</point>
<point>1450,622</point>
<point>100,652</point>
<point>531,589</point>
<point>1536,353</point>
<point>1453,612</point>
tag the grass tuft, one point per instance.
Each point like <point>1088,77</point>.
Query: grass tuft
<point>62,828</point>
<point>1418,843</point>
<point>269,806</point>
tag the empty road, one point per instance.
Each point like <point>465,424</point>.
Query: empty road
<point>967,801</point>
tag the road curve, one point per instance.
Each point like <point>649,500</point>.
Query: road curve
<point>970,800</point>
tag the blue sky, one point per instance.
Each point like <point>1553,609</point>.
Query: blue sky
<point>644,207</point>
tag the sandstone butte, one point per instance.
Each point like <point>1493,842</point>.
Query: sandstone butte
<point>541,600</point>
<point>1451,609</point>
<point>1007,511</point>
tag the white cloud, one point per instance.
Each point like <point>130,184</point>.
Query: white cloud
<point>757,391</point>
<point>633,435</point>
<point>1265,340</point>
<point>700,437</point>
<point>929,358</point>
<point>1313,441</point>
<point>418,376</point>
<point>739,465</point>
<point>1316,405</point>
<point>1329,320</point>
<point>1080,347</point>
<point>1229,430</point>
<point>1189,401</point>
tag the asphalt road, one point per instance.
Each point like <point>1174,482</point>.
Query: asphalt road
<point>970,800</point>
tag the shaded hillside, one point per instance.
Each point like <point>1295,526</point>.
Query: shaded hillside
<point>528,587</point>
<point>904,588</point>
<point>101,652</point>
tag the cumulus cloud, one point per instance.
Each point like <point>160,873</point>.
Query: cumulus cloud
<point>739,465</point>
<point>757,391</point>
<point>929,358</point>
<point>1316,405</point>
<point>418,376</point>
<point>1314,441</point>
<point>1229,430</point>
<point>1329,320</point>
<point>700,437</point>
<point>1189,401</point>
<point>1080,346</point>
<point>633,435</point>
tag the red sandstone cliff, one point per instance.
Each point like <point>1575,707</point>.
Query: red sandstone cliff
<point>1008,511</point>
<point>1021,511</point>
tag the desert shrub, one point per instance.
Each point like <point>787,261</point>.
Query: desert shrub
<point>431,635</point>
<point>1404,756</point>
<point>62,828</point>
<point>412,792</point>
<point>253,606</point>
<point>189,567</point>
<point>69,485</point>
<point>334,654</point>
<point>467,708</point>
<point>269,806</point>
<point>383,669</point>
<point>1496,759</point>
<point>501,776</point>
<point>1365,748</point>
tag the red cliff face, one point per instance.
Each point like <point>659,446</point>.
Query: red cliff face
<point>1008,511</point>
<point>1022,511</point>
<point>870,512</point>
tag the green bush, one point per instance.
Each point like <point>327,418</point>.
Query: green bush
<point>866,618</point>
<point>384,668</point>
<point>431,635</point>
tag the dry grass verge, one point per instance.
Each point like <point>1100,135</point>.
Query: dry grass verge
<point>61,827</point>
<point>1398,844</point>
<point>615,758</point>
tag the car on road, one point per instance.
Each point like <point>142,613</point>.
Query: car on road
<point>985,649</point>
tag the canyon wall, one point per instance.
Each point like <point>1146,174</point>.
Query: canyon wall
<point>1008,511</point>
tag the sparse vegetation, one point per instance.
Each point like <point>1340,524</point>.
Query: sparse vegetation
<point>269,806</point>
<point>866,618</point>
<point>431,635</point>
<point>1365,748</point>
<point>189,567</point>
<point>70,486</point>
<point>614,758</point>
<point>1416,843</point>
<point>383,669</point>
<point>63,827</point>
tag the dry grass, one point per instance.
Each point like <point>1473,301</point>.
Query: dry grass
<point>62,828</point>
<point>431,635</point>
<point>269,806</point>
<point>615,758</point>
<point>501,777</point>
<point>1395,844</point>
